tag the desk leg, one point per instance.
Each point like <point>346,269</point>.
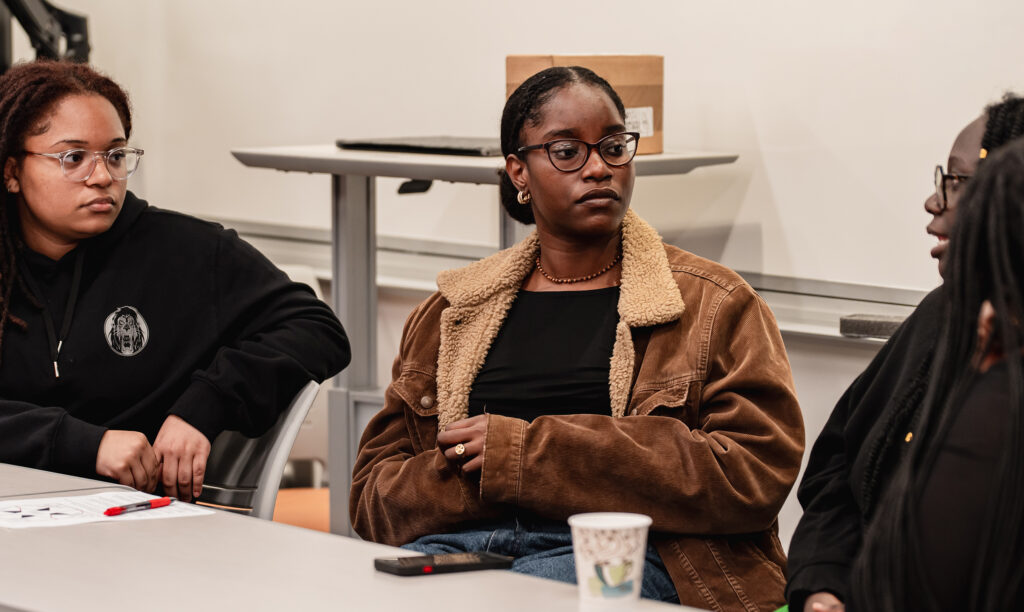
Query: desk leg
<point>354,290</point>
<point>340,454</point>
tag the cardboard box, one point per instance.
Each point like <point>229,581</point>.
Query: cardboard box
<point>638,79</point>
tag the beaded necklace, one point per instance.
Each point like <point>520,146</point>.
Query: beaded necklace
<point>580,279</point>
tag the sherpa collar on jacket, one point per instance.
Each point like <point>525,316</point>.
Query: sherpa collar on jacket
<point>481,293</point>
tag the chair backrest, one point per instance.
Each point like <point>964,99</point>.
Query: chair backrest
<point>243,474</point>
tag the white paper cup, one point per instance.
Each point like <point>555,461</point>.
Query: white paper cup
<point>609,549</point>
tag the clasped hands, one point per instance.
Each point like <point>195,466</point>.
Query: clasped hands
<point>469,436</point>
<point>176,459</point>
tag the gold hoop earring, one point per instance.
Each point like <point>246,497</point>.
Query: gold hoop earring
<point>523,198</point>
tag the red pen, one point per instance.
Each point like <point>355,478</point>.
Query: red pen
<point>146,505</point>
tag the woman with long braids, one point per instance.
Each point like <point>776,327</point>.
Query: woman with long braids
<point>129,336</point>
<point>590,367</point>
<point>948,534</point>
<point>866,435</point>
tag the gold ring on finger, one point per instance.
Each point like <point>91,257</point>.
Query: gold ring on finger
<point>460,449</point>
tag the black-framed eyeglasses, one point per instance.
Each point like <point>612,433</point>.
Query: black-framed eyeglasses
<point>946,185</point>
<point>571,154</point>
<point>79,164</point>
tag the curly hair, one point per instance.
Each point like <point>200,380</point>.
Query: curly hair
<point>29,92</point>
<point>524,105</point>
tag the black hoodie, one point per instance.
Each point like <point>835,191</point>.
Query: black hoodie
<point>856,455</point>
<point>173,315</point>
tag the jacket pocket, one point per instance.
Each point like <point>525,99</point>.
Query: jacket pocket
<point>418,391</point>
<point>756,581</point>
<point>671,397</point>
<point>723,573</point>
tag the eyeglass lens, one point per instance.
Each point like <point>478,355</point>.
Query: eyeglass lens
<point>570,155</point>
<point>79,165</point>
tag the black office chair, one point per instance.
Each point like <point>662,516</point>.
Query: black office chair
<point>243,474</point>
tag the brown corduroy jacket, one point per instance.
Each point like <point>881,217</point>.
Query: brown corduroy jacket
<point>706,434</point>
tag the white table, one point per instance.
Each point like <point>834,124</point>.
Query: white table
<point>17,481</point>
<point>354,266</point>
<point>227,561</point>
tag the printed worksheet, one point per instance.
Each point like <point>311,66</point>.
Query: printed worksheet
<point>58,511</point>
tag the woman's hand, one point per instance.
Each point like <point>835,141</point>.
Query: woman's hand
<point>823,601</point>
<point>468,434</point>
<point>183,450</point>
<point>127,457</point>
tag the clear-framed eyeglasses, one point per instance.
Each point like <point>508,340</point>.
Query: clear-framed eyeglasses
<point>946,185</point>
<point>571,154</point>
<point>79,164</point>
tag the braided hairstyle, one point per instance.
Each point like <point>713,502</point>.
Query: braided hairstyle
<point>1005,122</point>
<point>525,105</point>
<point>986,262</point>
<point>29,92</point>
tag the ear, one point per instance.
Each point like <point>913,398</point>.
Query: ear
<point>11,176</point>
<point>517,172</point>
<point>986,328</point>
<point>986,322</point>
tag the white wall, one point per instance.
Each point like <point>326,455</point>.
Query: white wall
<point>838,110</point>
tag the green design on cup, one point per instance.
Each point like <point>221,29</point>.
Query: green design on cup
<point>611,579</point>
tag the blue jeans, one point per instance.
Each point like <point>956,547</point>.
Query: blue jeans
<point>540,549</point>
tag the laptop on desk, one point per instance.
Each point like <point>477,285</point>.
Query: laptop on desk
<point>434,145</point>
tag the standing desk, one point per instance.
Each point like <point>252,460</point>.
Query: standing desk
<point>225,561</point>
<point>354,257</point>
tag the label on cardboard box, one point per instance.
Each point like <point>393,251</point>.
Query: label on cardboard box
<point>640,119</point>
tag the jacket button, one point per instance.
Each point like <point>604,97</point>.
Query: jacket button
<point>427,402</point>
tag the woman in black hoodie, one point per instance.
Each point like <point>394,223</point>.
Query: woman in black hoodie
<point>129,336</point>
<point>871,426</point>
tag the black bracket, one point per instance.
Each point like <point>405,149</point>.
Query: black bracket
<point>415,186</point>
<point>46,26</point>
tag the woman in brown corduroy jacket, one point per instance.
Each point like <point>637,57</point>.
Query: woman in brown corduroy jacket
<point>590,367</point>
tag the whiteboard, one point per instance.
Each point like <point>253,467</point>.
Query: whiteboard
<point>839,111</point>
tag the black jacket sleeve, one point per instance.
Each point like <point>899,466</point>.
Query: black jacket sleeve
<point>276,336</point>
<point>828,536</point>
<point>47,438</point>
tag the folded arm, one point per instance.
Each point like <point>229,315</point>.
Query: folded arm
<point>277,336</point>
<point>403,487</point>
<point>48,438</point>
<point>728,470</point>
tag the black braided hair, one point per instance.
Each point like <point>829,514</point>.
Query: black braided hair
<point>525,105</point>
<point>986,262</point>
<point>1005,122</point>
<point>28,94</point>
